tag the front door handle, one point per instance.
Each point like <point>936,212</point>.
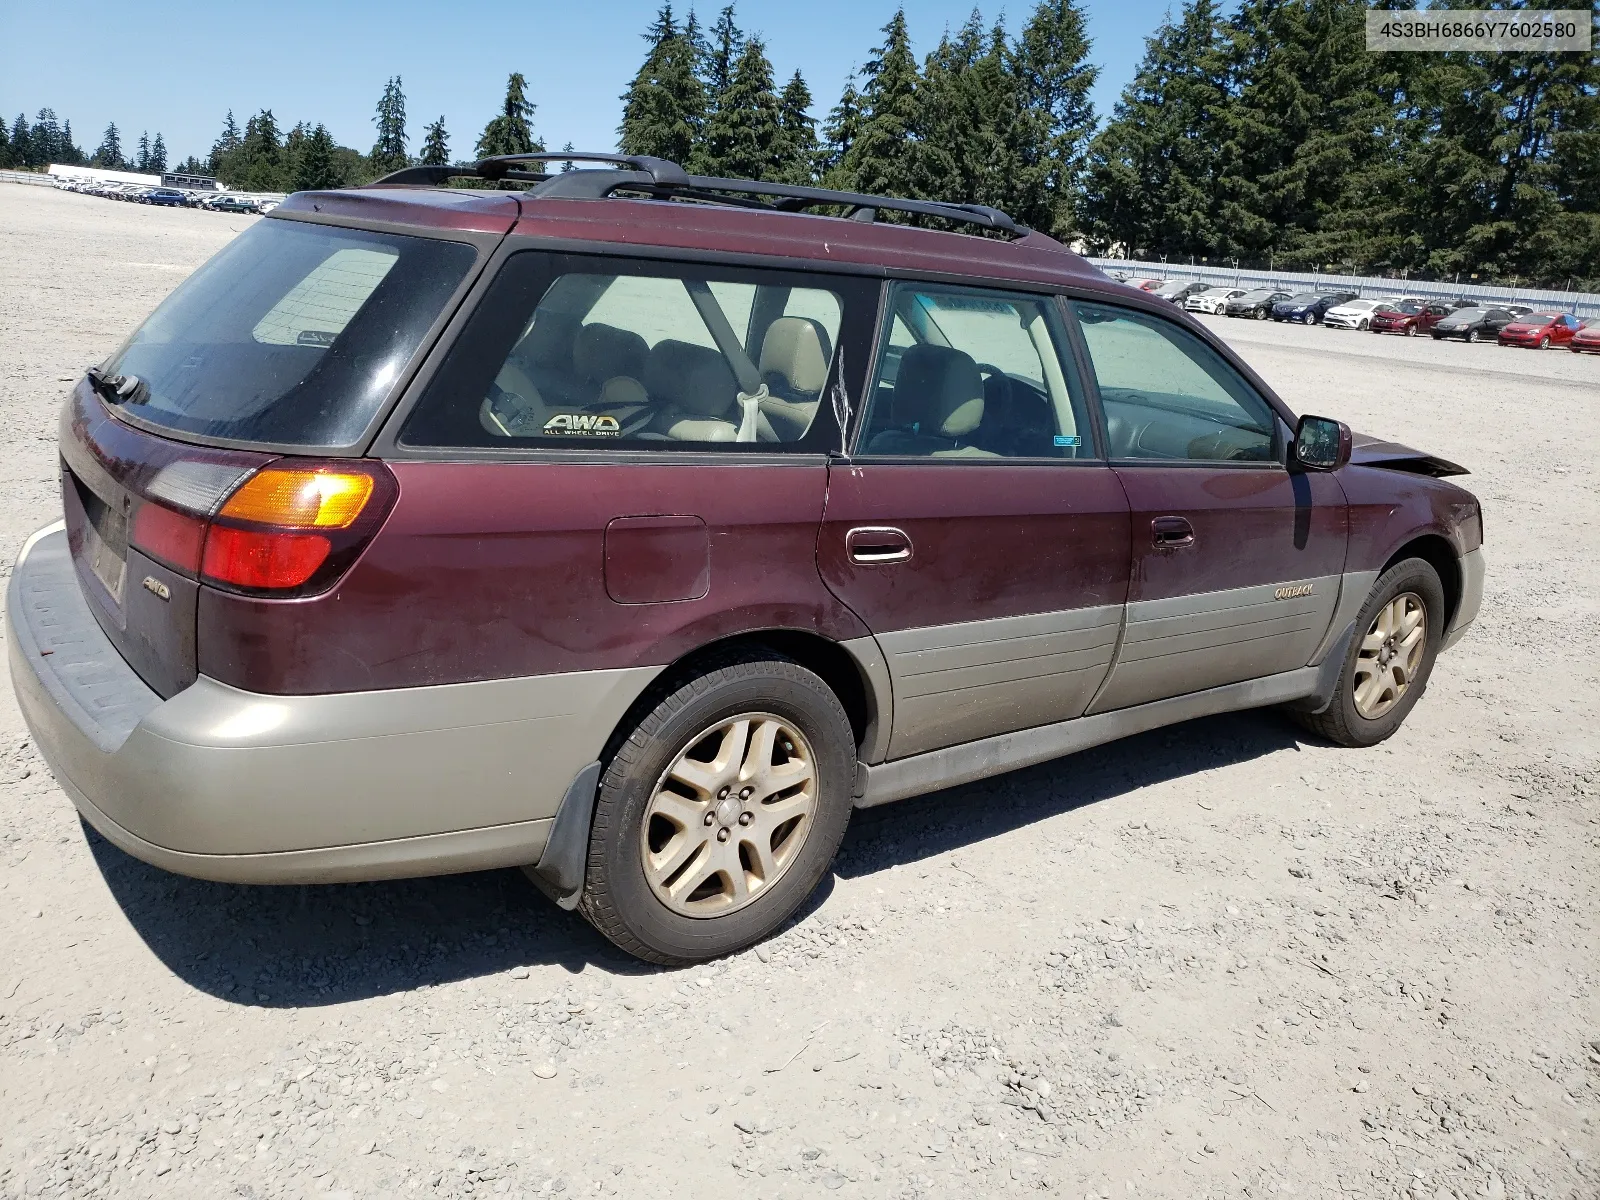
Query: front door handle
<point>877,545</point>
<point>1172,533</point>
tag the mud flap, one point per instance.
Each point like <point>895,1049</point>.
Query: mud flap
<point>562,867</point>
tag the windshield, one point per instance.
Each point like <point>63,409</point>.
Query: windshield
<point>1466,314</point>
<point>1304,298</point>
<point>1259,294</point>
<point>294,334</point>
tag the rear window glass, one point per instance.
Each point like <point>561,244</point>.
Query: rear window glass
<point>637,356</point>
<point>293,335</point>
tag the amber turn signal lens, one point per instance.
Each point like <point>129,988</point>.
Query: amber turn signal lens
<point>292,498</point>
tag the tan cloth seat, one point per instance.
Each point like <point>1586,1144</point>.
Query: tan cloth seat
<point>938,405</point>
<point>794,365</point>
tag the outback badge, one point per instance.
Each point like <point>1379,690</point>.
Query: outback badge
<point>152,584</point>
<point>1289,593</point>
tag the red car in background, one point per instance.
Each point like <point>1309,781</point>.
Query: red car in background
<point>1587,338</point>
<point>1410,318</point>
<point>1540,330</point>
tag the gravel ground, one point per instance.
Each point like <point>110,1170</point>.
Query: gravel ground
<point>1216,960</point>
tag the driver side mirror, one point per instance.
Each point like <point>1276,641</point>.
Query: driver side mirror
<point>1322,444</point>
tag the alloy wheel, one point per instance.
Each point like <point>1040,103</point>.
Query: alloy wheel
<point>1391,654</point>
<point>729,816</point>
<point>1544,342</point>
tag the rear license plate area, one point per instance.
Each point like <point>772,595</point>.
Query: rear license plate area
<point>105,538</point>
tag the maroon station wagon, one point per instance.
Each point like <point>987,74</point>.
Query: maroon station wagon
<point>633,527</point>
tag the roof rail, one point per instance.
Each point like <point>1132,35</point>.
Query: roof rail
<point>665,179</point>
<point>662,172</point>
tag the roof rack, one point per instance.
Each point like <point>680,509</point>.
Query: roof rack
<point>664,179</point>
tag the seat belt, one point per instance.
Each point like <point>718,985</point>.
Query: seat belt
<point>751,390</point>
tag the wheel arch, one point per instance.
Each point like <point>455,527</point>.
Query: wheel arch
<point>1435,550</point>
<point>855,672</point>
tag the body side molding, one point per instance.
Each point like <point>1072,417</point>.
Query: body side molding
<point>971,761</point>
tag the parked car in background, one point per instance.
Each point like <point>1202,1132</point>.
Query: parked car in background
<point>1212,300</point>
<point>233,204</point>
<point>1587,339</point>
<point>1178,290</point>
<point>1539,330</point>
<point>1142,283</point>
<point>1409,317</point>
<point>170,197</point>
<point>1354,314</point>
<point>1257,304</point>
<point>265,206</point>
<point>316,613</point>
<point>1472,324</point>
<point>1309,307</point>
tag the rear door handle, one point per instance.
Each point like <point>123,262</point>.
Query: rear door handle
<point>877,545</point>
<point>1172,533</point>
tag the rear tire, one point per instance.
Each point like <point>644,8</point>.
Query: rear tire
<point>633,894</point>
<point>1372,700</point>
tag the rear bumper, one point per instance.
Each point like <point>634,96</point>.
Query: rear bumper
<point>1471,597</point>
<point>224,784</point>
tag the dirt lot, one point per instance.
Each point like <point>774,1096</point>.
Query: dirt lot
<point>1217,960</point>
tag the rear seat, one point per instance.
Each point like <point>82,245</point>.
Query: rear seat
<point>607,360</point>
<point>694,390</point>
<point>794,365</point>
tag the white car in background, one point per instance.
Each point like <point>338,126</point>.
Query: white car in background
<point>1211,300</point>
<point>1354,314</point>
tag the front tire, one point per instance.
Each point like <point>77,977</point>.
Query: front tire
<point>1387,665</point>
<point>1470,336</point>
<point>1544,342</point>
<point>1411,331</point>
<point>1262,314</point>
<point>720,811</point>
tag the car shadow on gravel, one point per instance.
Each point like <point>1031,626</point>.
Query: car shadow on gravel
<point>314,945</point>
<point>913,830</point>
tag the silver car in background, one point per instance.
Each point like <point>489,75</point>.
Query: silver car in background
<point>1212,300</point>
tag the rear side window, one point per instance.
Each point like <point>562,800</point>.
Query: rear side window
<point>1167,395</point>
<point>635,355</point>
<point>295,334</point>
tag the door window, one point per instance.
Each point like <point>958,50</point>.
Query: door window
<point>968,373</point>
<point>636,355</point>
<point>1167,395</point>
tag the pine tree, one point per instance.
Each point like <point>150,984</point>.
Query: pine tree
<point>21,143</point>
<point>512,131</point>
<point>568,149</point>
<point>797,158</point>
<point>880,159</point>
<point>663,110</point>
<point>1055,79</point>
<point>5,146</point>
<point>68,151</point>
<point>158,155</point>
<point>257,165</point>
<point>744,137</point>
<point>840,132</point>
<point>45,139</point>
<point>225,145</point>
<point>314,170</point>
<point>951,145</point>
<point>109,155</point>
<point>727,44</point>
<point>389,151</point>
<point>1153,177</point>
<point>142,163</point>
<point>435,145</point>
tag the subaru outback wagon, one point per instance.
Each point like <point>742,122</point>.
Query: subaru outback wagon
<point>632,528</point>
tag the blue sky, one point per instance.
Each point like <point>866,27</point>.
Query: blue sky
<point>177,66</point>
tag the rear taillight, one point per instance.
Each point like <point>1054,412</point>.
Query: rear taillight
<point>290,529</point>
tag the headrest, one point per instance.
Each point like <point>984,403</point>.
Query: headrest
<point>550,343</point>
<point>604,352</point>
<point>693,379</point>
<point>796,351</point>
<point>940,390</point>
